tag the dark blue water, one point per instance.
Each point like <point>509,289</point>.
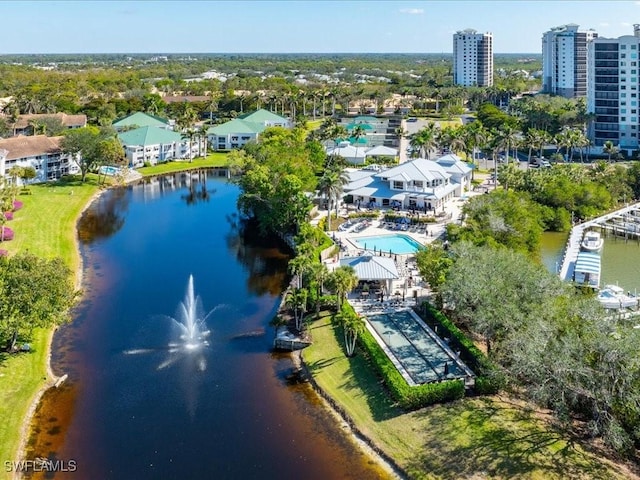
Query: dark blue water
<point>133,410</point>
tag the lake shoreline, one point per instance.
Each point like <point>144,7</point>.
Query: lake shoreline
<point>347,425</point>
<point>50,378</point>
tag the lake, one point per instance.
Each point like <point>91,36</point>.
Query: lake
<point>137,403</point>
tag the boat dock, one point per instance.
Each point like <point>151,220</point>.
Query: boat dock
<point>624,222</point>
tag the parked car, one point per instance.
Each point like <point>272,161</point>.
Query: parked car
<point>412,119</point>
<point>536,162</point>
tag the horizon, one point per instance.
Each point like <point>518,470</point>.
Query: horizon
<point>250,53</point>
<point>409,26</point>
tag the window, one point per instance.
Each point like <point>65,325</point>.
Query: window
<point>418,183</point>
<point>633,110</point>
<point>623,119</point>
<point>623,110</point>
<point>398,185</point>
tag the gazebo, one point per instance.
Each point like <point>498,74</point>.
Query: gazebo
<point>373,268</point>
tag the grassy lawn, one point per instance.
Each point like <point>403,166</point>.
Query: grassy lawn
<point>448,123</point>
<point>45,226</point>
<point>215,159</point>
<point>314,124</point>
<point>487,437</point>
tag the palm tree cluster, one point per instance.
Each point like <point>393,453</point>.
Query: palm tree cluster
<point>474,138</point>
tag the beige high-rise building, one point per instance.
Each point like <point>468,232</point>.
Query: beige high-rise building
<point>472,58</point>
<point>564,60</point>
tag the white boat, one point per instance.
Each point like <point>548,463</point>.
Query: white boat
<point>613,296</point>
<point>592,241</point>
<point>587,270</point>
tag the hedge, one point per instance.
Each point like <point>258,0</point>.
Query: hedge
<point>407,396</point>
<point>488,380</point>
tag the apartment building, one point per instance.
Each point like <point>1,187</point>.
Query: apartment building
<point>38,151</point>
<point>472,58</point>
<point>564,60</point>
<point>612,91</point>
<point>154,145</point>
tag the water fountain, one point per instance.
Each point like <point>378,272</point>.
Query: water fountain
<point>191,320</point>
<point>190,323</point>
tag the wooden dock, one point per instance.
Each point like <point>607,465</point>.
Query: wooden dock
<point>623,222</point>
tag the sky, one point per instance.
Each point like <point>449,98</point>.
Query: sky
<point>295,26</point>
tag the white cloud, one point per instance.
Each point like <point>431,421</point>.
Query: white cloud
<point>604,24</point>
<point>625,24</point>
<point>412,11</point>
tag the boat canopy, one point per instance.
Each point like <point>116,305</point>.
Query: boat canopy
<point>588,262</point>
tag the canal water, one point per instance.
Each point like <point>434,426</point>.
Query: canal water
<point>139,402</point>
<point>620,259</point>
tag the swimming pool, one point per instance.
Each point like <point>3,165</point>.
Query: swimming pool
<point>108,170</point>
<point>396,243</point>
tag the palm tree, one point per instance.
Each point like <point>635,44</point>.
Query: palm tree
<point>610,149</point>
<point>400,134</point>
<point>320,273</point>
<point>352,325</point>
<point>424,140</point>
<point>563,140</point>
<point>331,184</point>
<point>203,136</point>
<point>507,137</point>
<point>457,140</point>
<point>477,136</point>
<point>357,133</point>
<point>341,281</point>
<point>301,263</point>
<point>298,301</point>
<point>190,134</point>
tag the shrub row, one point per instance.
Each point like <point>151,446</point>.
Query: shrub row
<point>371,214</point>
<point>488,380</point>
<point>407,396</point>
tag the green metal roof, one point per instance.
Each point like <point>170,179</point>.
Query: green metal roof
<point>149,136</point>
<point>361,141</point>
<point>141,120</point>
<point>262,116</point>
<point>237,125</point>
<point>365,126</point>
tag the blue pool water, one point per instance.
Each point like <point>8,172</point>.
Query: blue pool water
<point>107,170</point>
<point>396,243</point>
